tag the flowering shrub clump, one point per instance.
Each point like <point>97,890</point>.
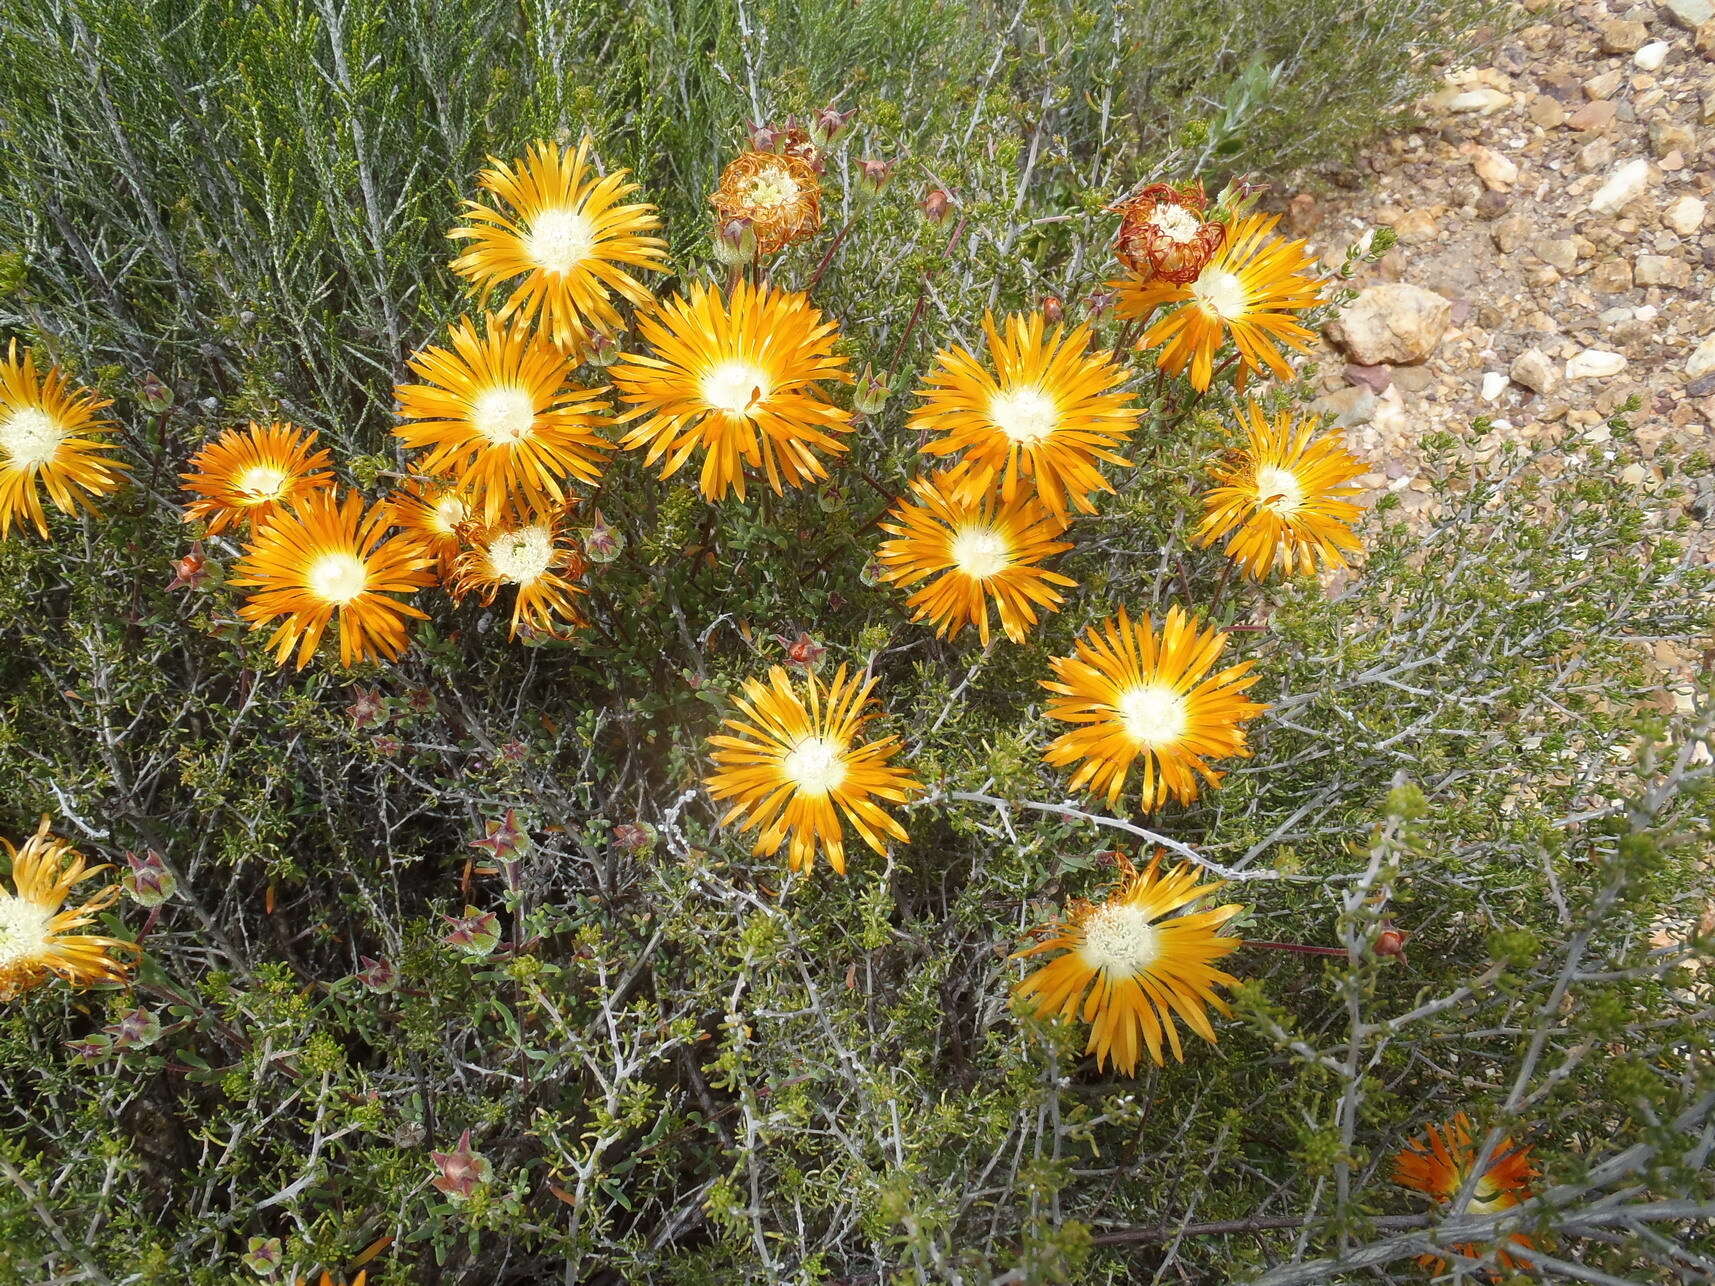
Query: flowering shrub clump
<point>514,775</point>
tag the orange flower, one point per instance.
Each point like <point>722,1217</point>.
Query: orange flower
<point>244,476</point>
<point>1251,292</point>
<point>536,556</point>
<point>36,938</point>
<point>326,561</point>
<point>779,193</point>
<point>1438,1166</point>
<point>1162,233</point>
<point>50,433</point>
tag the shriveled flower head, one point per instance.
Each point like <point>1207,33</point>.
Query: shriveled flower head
<point>1250,292</point>
<point>495,413</point>
<point>796,772</point>
<point>431,511</point>
<point>328,560</point>
<point>37,935</point>
<point>966,554</point>
<point>244,475</point>
<point>738,380</point>
<point>562,238</point>
<point>1163,235</point>
<point>779,192</point>
<point>537,557</point>
<point>1128,965</point>
<point>1136,693</point>
<point>1280,501</point>
<point>1042,410</point>
<point>1438,1165</point>
<point>51,436</point>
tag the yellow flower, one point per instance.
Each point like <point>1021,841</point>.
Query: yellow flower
<point>1136,694</point>
<point>971,553</point>
<point>779,193</point>
<point>1251,291</point>
<point>1438,1166</point>
<point>431,511</point>
<point>244,476</point>
<point>1280,500</point>
<point>533,554</point>
<point>567,234</point>
<point>36,938</point>
<point>50,433</point>
<point>1127,969</point>
<point>736,379</point>
<point>327,560</point>
<point>498,416</point>
<point>1047,413</point>
<point>795,768</point>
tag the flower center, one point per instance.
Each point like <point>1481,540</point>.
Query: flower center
<point>503,415</point>
<point>23,929</point>
<point>30,436</point>
<point>979,552</point>
<point>450,511</point>
<point>1120,940</point>
<point>337,578</point>
<point>1174,222</point>
<point>1222,293</point>
<point>1153,714</point>
<point>262,482</point>
<point>1279,489</point>
<point>560,239</point>
<point>523,556</point>
<point>1024,414</point>
<point>735,387</point>
<point>770,189</point>
<point>815,766</point>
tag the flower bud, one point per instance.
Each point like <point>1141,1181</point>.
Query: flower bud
<point>870,393</point>
<point>1391,941</point>
<point>634,837</point>
<point>936,205</point>
<point>149,883</point>
<point>767,138</point>
<point>155,395</point>
<point>457,1173</point>
<point>827,125</point>
<point>377,975</point>
<point>90,1049</point>
<point>188,572</point>
<point>1053,310</point>
<point>475,933</point>
<point>263,1255</point>
<point>604,349</point>
<point>602,543</point>
<point>502,839</point>
<point>803,650</point>
<point>873,176</point>
<point>136,1030</point>
<point>1098,302</point>
<point>735,243</point>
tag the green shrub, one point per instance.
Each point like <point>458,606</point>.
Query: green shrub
<point>677,1063</point>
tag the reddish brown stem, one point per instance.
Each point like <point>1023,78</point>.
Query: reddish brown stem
<point>1298,947</point>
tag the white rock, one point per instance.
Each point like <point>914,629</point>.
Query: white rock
<point>1652,55</point>
<point>1497,172</point>
<point>1536,371</point>
<point>1594,364</point>
<point>1392,323</point>
<point>1685,216</point>
<point>1494,384</point>
<point>1624,185</point>
<point>1484,100</point>
<point>1702,359</point>
<point>1691,14</point>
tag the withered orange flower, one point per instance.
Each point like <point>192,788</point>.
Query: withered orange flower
<point>1163,233</point>
<point>778,192</point>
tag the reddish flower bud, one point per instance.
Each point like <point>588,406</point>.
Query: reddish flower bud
<point>457,1173</point>
<point>1391,942</point>
<point>735,243</point>
<point>189,571</point>
<point>377,975</point>
<point>1053,310</point>
<point>155,395</point>
<point>634,837</point>
<point>367,708</point>
<point>476,933</point>
<point>149,883</point>
<point>936,205</point>
<point>767,138</point>
<point>873,176</point>
<point>604,349</point>
<point>803,650</point>
<point>602,544</point>
<point>503,839</point>
<point>827,125</point>
<point>136,1030</point>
